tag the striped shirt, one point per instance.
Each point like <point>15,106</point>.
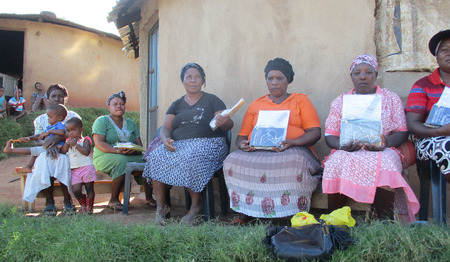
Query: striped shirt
<point>425,93</point>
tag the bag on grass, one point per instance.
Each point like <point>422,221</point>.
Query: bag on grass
<point>339,217</point>
<point>314,241</point>
<point>303,218</point>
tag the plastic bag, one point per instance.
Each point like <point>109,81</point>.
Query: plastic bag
<point>339,217</point>
<point>303,218</point>
<point>315,241</point>
<point>361,119</point>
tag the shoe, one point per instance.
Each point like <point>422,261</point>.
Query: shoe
<point>50,210</point>
<point>69,209</point>
<point>115,206</point>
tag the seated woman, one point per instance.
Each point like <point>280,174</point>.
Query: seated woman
<point>192,151</point>
<point>432,143</point>
<point>278,182</point>
<point>369,173</point>
<point>50,165</point>
<point>107,131</point>
<point>39,100</point>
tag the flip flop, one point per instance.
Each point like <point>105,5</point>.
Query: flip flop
<point>115,206</point>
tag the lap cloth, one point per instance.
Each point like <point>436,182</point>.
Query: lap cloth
<point>191,165</point>
<point>271,184</point>
<point>44,168</point>
<point>115,164</point>
<point>358,174</point>
<point>436,149</point>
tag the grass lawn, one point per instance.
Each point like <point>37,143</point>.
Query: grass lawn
<point>86,238</point>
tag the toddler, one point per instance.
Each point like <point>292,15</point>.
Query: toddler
<point>78,148</point>
<point>56,114</point>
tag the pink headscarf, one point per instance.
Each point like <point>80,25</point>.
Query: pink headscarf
<point>365,59</point>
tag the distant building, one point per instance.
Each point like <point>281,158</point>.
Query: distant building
<point>89,62</point>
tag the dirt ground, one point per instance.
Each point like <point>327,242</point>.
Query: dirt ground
<point>139,213</point>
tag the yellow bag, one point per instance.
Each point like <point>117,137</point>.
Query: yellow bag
<point>303,218</point>
<point>339,217</point>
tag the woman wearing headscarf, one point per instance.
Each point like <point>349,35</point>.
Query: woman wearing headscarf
<point>107,131</point>
<point>276,182</point>
<point>368,172</point>
<point>432,143</point>
<point>192,152</point>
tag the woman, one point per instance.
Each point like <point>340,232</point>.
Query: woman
<point>107,131</point>
<point>369,173</point>
<point>49,165</point>
<point>279,182</point>
<point>432,143</point>
<point>39,99</point>
<point>192,151</point>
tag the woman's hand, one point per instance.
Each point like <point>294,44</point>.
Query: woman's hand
<point>126,151</point>
<point>244,145</point>
<point>353,146</point>
<point>224,121</point>
<point>285,144</point>
<point>168,143</point>
<point>23,139</point>
<point>373,147</point>
<point>52,141</point>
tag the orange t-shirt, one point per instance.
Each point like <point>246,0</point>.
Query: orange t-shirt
<point>303,114</point>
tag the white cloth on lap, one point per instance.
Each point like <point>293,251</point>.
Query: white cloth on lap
<point>44,168</point>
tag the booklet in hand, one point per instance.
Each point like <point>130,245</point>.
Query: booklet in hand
<point>361,119</point>
<point>440,112</point>
<point>228,112</point>
<point>270,129</point>
<point>130,145</point>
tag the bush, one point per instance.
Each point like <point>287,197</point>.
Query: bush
<point>10,129</point>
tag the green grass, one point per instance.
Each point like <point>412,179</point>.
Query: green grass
<point>81,238</point>
<point>10,129</point>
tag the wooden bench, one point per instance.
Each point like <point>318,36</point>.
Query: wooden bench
<point>320,201</point>
<point>100,187</point>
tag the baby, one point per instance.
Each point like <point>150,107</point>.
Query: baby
<point>78,148</point>
<point>56,114</point>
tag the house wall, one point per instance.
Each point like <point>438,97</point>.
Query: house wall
<point>92,67</point>
<point>233,40</point>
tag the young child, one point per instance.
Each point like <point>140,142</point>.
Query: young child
<point>56,114</point>
<point>15,105</point>
<point>78,148</point>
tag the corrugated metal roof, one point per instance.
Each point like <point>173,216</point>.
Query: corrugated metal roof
<point>43,18</point>
<point>126,16</point>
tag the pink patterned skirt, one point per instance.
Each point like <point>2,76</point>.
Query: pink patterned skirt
<point>270,184</point>
<point>358,174</point>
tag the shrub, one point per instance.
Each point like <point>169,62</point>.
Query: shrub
<point>10,129</point>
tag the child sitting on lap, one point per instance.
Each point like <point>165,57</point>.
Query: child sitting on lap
<point>56,114</point>
<point>78,148</point>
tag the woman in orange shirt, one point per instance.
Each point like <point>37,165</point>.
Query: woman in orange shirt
<point>276,182</point>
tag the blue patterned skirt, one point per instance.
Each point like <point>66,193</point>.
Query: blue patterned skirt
<point>191,165</point>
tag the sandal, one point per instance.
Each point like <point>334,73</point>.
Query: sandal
<point>115,206</point>
<point>50,210</point>
<point>69,209</point>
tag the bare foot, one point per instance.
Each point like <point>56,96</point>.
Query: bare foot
<point>189,218</point>
<point>161,215</point>
<point>8,147</point>
<point>23,169</point>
